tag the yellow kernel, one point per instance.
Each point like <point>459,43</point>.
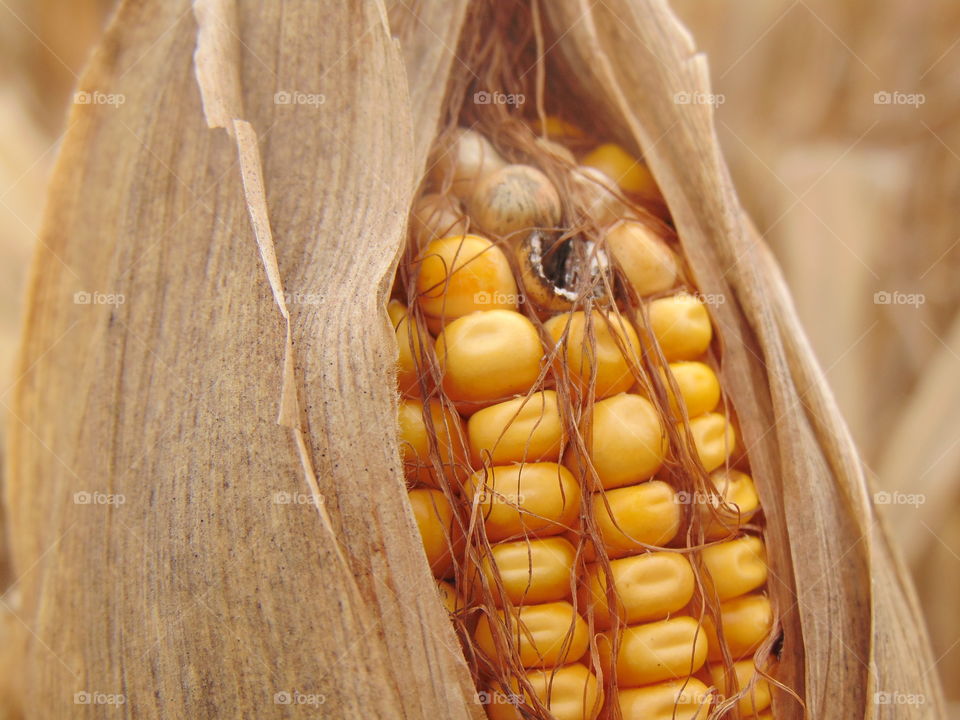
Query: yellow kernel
<point>681,326</point>
<point>436,216</point>
<point>628,443</point>
<point>532,571</point>
<point>545,635</point>
<point>488,356</point>
<point>557,127</point>
<point>612,368</point>
<point>736,567</point>
<point>524,429</point>
<point>409,344</point>
<point>448,595</point>
<point>570,692</point>
<point>687,699</point>
<point>746,622</point>
<point>646,260</point>
<point>654,652</point>
<point>756,699</point>
<point>648,586</point>
<point>434,518</point>
<point>737,504</point>
<point>515,200</point>
<point>631,174</point>
<point>462,274</point>
<point>537,498</point>
<point>464,158</point>
<point>698,385</point>
<point>713,437</point>
<point>415,443</point>
<point>639,515</point>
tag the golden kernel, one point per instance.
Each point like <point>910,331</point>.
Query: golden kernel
<point>415,443</point>
<point>646,260</point>
<point>681,326</point>
<point>519,430</point>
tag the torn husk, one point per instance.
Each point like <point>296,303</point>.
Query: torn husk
<point>170,398</point>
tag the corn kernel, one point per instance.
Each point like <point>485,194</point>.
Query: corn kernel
<point>436,216</point>
<point>448,595</point>
<point>737,504</point>
<point>409,345</point>
<point>646,260</point>
<point>488,356</point>
<point>558,128</point>
<point>415,444</point>
<point>631,174</point>
<point>434,518</point>
<point>628,443</point>
<point>462,274</point>
<point>681,326</point>
<point>599,198</point>
<point>519,430</point>
<point>687,699</point>
<point>648,586</point>
<point>657,651</point>
<point>756,699</point>
<point>736,567</point>
<point>746,622</point>
<point>570,692</point>
<point>639,515</point>
<point>610,332</point>
<point>714,439</point>
<point>463,160</point>
<point>545,635</point>
<point>532,571</point>
<point>515,199</point>
<point>698,385</point>
<point>538,498</point>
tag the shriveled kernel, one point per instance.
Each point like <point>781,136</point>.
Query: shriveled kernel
<point>599,197</point>
<point>546,635</point>
<point>654,652</point>
<point>434,518</point>
<point>714,439</point>
<point>610,332</point>
<point>698,385</point>
<point>488,356</point>
<point>532,571</point>
<point>648,586</point>
<point>681,326</point>
<point>570,692</point>
<point>436,216</point>
<point>746,622</point>
<point>409,344</point>
<point>460,275</point>
<point>415,443</point>
<point>757,699</point>
<point>639,515</point>
<point>536,498</point>
<point>448,595</point>
<point>646,260</point>
<point>687,699</point>
<point>518,430</point>
<point>628,442</point>
<point>515,199</point>
<point>736,567</point>
<point>737,504</point>
<point>628,172</point>
<point>466,157</point>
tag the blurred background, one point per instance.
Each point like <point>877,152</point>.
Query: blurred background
<point>840,121</point>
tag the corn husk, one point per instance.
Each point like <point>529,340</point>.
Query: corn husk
<point>254,244</point>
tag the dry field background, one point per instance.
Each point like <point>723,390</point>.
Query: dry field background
<point>841,126</point>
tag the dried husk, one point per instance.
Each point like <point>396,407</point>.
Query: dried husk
<point>202,597</point>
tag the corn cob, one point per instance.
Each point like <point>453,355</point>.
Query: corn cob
<point>585,579</point>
